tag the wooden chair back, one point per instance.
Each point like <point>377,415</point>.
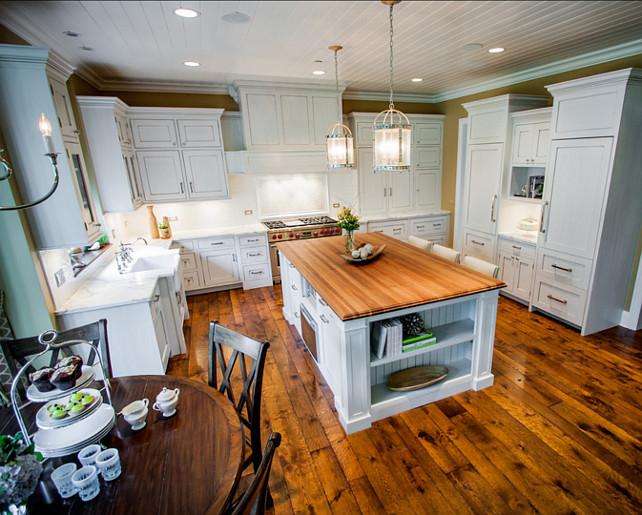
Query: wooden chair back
<point>254,499</point>
<point>481,266</point>
<point>420,243</point>
<point>240,381</point>
<point>445,252</point>
<point>18,352</point>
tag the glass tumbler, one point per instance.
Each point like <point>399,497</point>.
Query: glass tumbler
<point>108,462</point>
<point>87,456</point>
<point>86,482</point>
<point>61,477</point>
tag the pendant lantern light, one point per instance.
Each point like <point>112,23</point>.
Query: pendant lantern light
<point>392,134</point>
<point>339,140</point>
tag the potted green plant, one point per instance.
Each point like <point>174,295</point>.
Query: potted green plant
<point>349,222</point>
<point>20,468</point>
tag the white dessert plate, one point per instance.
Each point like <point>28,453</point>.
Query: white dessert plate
<point>80,446</point>
<point>73,435</point>
<point>44,421</point>
<point>35,395</point>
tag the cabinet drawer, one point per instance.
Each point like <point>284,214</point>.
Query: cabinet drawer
<point>153,133</point>
<point>189,261</point>
<point>517,248</point>
<point>558,267</point>
<point>254,255</point>
<point>252,239</point>
<point>215,242</point>
<point>252,273</point>
<point>479,245</point>
<point>397,230</point>
<point>427,226</point>
<point>567,304</point>
<point>192,280</point>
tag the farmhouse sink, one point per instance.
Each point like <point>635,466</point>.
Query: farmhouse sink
<point>151,263</point>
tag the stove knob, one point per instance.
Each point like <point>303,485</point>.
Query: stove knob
<point>274,236</point>
<point>291,235</point>
<point>327,231</point>
<point>316,233</point>
<point>280,236</point>
<point>298,236</point>
<point>336,229</point>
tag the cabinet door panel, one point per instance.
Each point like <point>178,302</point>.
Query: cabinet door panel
<point>220,268</point>
<point>325,113</point>
<point>62,103</point>
<point>199,133</point>
<point>522,143</point>
<point>373,187</point>
<point>483,175</point>
<point>81,183</point>
<point>507,270</point>
<point>427,157</point>
<point>523,277</point>
<point>541,142</point>
<point>427,190</point>
<point>153,133</point>
<point>400,191</point>
<point>161,175</point>
<point>262,120</point>
<point>205,171</point>
<point>427,133</point>
<point>575,191</point>
<point>296,121</point>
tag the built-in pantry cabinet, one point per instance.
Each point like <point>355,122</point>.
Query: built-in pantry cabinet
<point>180,153</point>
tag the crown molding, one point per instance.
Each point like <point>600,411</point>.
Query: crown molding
<point>385,96</point>
<point>565,65</point>
<point>150,86</point>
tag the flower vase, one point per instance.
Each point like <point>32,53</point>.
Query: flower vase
<point>349,241</point>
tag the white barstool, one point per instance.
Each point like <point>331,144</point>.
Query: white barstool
<point>445,252</point>
<point>481,266</point>
<point>420,243</point>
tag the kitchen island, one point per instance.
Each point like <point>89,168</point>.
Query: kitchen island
<point>335,306</point>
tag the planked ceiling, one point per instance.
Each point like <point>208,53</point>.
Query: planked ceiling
<point>138,42</point>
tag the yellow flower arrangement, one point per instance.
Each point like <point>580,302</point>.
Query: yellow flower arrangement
<point>347,219</point>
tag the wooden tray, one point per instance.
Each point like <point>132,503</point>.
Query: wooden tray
<point>375,253</point>
<point>416,377</point>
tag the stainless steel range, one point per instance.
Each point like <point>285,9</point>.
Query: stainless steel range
<point>296,229</point>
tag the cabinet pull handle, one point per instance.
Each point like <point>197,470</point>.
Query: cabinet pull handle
<point>252,241</point>
<point>156,297</point>
<point>321,301</point>
<point>492,209</point>
<point>477,242</point>
<point>541,220</point>
<point>294,287</point>
<point>390,192</point>
<point>557,300</point>
<point>182,190</point>
<point>324,319</point>
<point>191,186</point>
<point>516,247</point>
<point>234,258</point>
<point>216,243</point>
<point>255,254</point>
<point>385,191</point>
<point>419,226</point>
<point>396,229</point>
<point>256,272</point>
<point>561,268</point>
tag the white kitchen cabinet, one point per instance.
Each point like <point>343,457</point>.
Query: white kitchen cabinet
<point>254,260</point>
<point>182,155</point>
<point>330,341</point>
<point>426,133</point>
<point>516,268</point>
<point>478,244</point>
<point>220,267</point>
<point>382,192</point>
<point>283,116</point>
<point>427,190</point>
<point>62,103</point>
<point>160,327</point>
<point>530,143</point>
<point>108,135</point>
<point>592,213</point>
<point>432,228</point>
<point>399,229</point>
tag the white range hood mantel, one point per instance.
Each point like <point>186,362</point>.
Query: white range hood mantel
<point>275,161</point>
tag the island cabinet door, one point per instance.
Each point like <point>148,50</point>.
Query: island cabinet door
<point>220,267</point>
<point>330,328</point>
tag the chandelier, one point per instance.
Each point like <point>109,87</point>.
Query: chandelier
<point>339,140</point>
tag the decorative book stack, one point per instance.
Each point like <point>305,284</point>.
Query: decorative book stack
<point>387,338</point>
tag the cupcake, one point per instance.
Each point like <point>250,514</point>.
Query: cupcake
<point>64,378</point>
<point>75,361</point>
<point>41,378</point>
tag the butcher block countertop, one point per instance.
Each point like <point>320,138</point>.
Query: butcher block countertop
<point>402,276</point>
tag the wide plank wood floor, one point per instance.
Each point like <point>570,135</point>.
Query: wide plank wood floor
<point>559,432</point>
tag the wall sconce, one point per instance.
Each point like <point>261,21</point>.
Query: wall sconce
<point>45,129</point>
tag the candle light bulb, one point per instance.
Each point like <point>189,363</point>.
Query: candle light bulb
<point>44,125</point>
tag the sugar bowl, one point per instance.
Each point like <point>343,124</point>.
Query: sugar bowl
<point>166,401</point>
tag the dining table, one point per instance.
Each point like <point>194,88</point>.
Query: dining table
<point>190,462</point>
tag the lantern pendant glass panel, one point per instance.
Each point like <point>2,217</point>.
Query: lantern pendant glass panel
<point>392,138</point>
<point>340,145</point>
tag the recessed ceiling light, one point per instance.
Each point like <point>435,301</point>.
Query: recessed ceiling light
<point>496,50</point>
<point>236,17</point>
<point>71,33</point>
<point>417,79</point>
<point>186,13</point>
<point>472,46</point>
<point>191,63</point>
<point>318,72</point>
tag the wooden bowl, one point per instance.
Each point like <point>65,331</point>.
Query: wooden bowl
<point>376,252</point>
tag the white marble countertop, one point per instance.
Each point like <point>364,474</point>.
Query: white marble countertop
<point>522,236</point>
<point>219,231</point>
<point>401,216</point>
<point>106,287</point>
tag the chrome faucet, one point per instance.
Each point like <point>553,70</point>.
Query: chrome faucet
<point>139,238</point>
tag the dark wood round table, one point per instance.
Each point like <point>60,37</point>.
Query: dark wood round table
<point>188,463</point>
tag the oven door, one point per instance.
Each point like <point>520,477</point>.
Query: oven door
<point>276,265</point>
<point>309,330</point>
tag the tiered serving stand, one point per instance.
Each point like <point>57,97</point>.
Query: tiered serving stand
<point>70,434</point>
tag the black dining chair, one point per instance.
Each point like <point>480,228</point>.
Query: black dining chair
<point>18,352</point>
<point>240,381</point>
<point>253,500</point>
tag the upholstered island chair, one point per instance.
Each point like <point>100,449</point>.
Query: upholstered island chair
<point>481,266</point>
<point>420,243</point>
<point>445,252</point>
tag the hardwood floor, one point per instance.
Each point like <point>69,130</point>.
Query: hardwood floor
<point>558,432</point>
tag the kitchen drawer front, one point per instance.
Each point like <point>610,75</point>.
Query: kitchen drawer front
<point>564,269</point>
<point>252,239</point>
<point>186,245</point>
<point>192,280</point>
<point>397,230</point>
<point>189,261</point>
<point>517,248</point>
<point>479,245</point>
<point>215,242</point>
<point>254,273</point>
<point>426,226</point>
<point>251,255</point>
<point>567,303</point>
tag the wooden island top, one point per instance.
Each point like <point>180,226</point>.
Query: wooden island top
<point>402,276</point>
